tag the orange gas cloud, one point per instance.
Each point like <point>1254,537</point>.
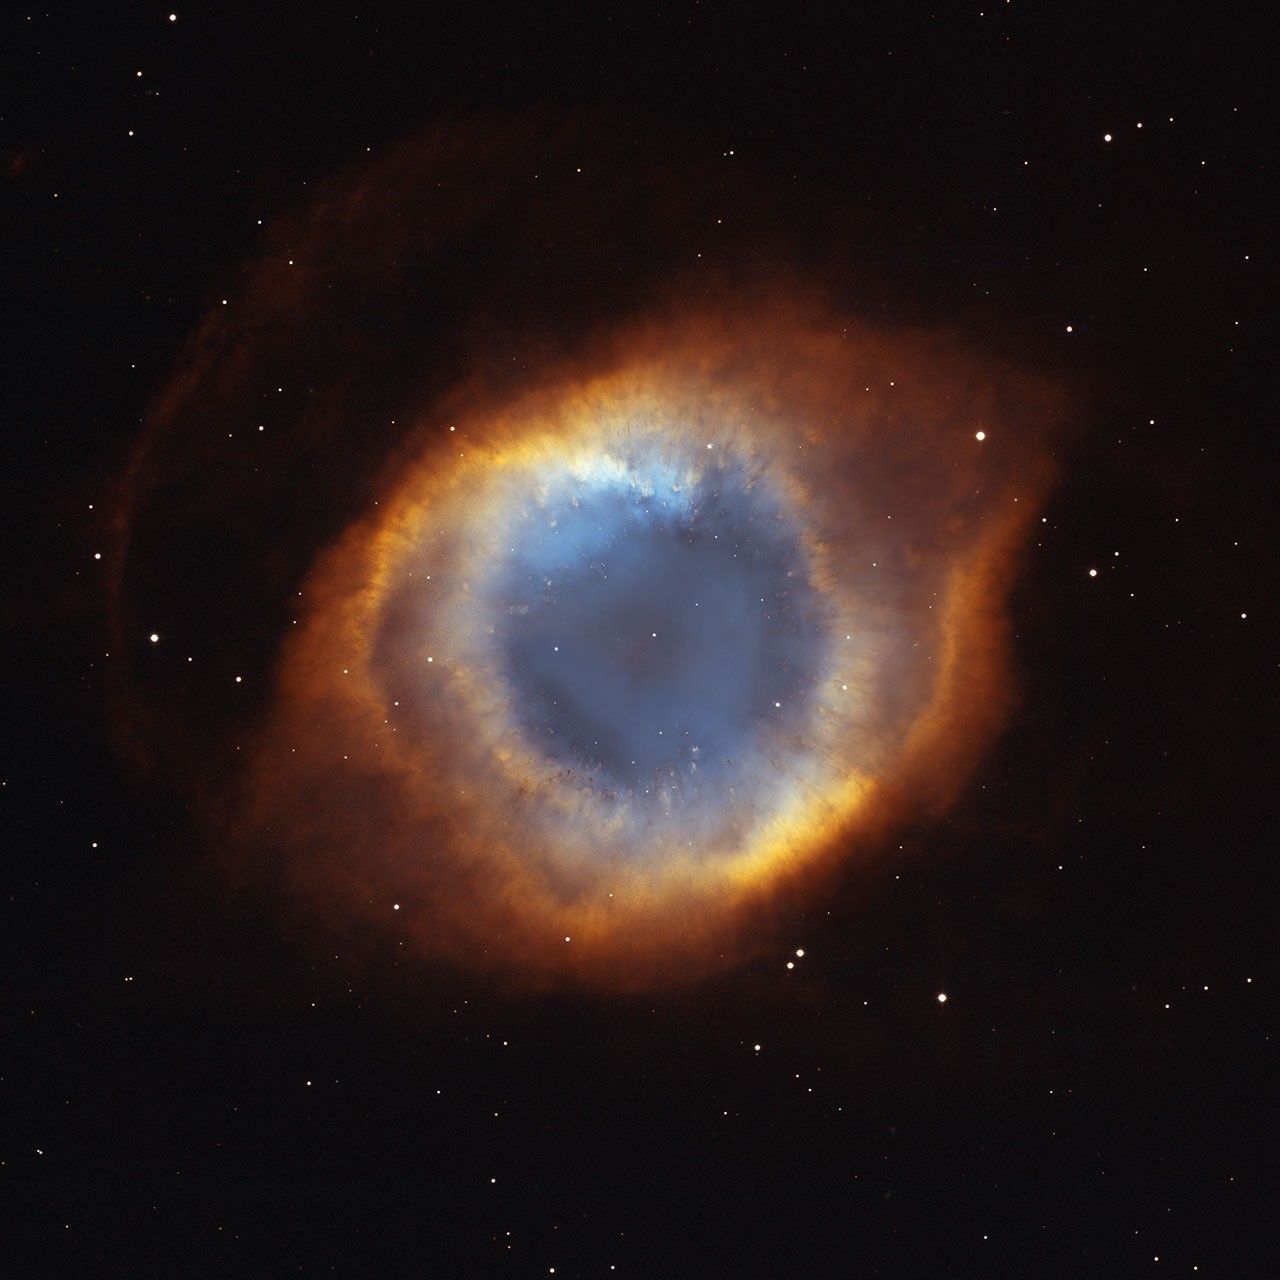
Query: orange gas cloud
<point>387,776</point>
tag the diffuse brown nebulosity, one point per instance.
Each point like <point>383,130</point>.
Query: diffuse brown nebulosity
<point>351,449</point>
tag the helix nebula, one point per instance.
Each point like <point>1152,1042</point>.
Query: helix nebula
<point>587,602</point>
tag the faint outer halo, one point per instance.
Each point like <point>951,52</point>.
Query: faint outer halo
<point>439,333</point>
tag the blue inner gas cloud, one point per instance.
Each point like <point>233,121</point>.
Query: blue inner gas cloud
<point>653,625</point>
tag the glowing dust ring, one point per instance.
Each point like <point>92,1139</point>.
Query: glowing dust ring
<point>434,799</point>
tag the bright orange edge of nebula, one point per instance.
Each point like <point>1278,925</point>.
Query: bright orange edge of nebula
<point>376,825</point>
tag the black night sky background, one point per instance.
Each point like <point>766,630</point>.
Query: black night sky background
<point>195,1080</point>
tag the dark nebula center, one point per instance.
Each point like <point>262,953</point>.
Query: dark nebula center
<point>651,640</point>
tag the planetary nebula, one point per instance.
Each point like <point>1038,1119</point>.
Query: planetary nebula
<point>628,627</point>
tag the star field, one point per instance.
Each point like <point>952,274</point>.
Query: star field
<point>283,283</point>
